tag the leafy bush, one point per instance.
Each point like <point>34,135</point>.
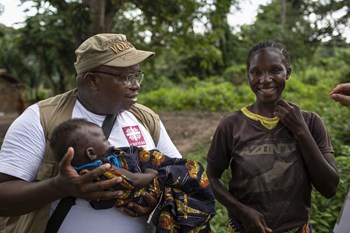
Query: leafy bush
<point>200,95</point>
<point>213,95</point>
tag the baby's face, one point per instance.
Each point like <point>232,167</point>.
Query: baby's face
<point>99,141</point>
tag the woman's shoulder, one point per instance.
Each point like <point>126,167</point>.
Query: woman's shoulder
<point>232,117</point>
<point>310,114</point>
<point>313,120</point>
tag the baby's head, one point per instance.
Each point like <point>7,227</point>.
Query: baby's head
<point>86,138</point>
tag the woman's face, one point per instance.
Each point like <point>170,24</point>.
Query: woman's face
<point>267,75</point>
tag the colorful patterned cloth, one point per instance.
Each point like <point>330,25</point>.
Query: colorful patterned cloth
<point>236,228</point>
<point>186,199</point>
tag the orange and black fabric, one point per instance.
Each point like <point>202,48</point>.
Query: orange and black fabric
<point>186,200</point>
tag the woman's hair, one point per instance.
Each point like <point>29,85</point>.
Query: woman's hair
<point>269,45</point>
<point>69,134</point>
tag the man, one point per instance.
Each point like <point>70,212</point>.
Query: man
<point>108,81</point>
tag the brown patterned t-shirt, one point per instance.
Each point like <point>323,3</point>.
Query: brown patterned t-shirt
<point>267,169</point>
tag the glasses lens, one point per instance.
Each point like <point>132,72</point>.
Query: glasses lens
<point>131,79</point>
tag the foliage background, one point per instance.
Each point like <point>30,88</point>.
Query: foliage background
<point>197,69</point>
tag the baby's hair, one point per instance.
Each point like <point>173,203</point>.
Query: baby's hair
<point>69,134</point>
<point>270,44</point>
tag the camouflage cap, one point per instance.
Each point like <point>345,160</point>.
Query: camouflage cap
<point>108,49</point>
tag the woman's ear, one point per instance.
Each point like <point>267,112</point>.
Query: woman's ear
<point>91,153</point>
<point>289,71</point>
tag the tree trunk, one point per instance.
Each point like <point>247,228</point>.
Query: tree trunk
<point>283,12</point>
<point>102,13</point>
<point>97,12</point>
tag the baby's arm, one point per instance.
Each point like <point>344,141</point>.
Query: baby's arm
<point>139,180</point>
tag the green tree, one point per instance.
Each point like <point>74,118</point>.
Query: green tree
<point>55,32</point>
<point>330,19</point>
<point>300,25</point>
<point>50,37</point>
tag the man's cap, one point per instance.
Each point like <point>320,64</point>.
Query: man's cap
<point>108,49</point>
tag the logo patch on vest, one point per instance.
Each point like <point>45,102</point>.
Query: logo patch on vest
<point>134,136</point>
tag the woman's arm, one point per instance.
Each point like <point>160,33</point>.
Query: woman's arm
<point>252,220</point>
<point>320,167</point>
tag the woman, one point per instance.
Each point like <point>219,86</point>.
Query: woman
<point>275,150</point>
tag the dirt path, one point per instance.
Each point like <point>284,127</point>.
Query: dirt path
<point>5,121</point>
<point>190,128</point>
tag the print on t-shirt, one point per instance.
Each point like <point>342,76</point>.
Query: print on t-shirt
<point>134,136</point>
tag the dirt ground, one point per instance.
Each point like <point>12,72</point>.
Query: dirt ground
<point>5,121</point>
<point>186,128</point>
<point>190,128</point>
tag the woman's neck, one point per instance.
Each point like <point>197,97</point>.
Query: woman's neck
<point>263,109</point>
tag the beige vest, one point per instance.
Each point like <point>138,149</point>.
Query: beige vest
<point>54,111</point>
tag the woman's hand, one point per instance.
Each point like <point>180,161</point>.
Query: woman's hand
<point>253,221</point>
<point>290,115</point>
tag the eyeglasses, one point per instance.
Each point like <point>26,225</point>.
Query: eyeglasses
<point>128,79</point>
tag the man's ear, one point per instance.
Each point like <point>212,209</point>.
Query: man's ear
<point>91,153</point>
<point>90,79</point>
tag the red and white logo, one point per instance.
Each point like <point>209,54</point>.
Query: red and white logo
<point>134,136</point>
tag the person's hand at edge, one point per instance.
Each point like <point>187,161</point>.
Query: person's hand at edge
<point>341,94</point>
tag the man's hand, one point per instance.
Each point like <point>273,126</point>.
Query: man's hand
<point>69,183</point>
<point>136,210</point>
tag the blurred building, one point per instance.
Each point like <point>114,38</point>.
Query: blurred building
<point>11,94</point>
<point>12,102</point>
